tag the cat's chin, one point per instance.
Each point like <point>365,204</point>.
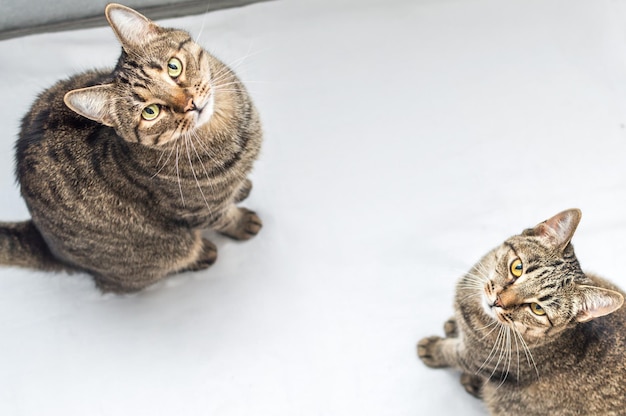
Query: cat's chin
<point>203,118</point>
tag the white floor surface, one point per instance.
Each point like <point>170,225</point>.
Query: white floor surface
<point>403,140</point>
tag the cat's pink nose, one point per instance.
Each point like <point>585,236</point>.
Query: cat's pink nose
<point>191,106</point>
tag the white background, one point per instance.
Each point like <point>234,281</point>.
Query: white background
<point>404,139</point>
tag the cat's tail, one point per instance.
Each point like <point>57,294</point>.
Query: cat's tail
<point>22,245</point>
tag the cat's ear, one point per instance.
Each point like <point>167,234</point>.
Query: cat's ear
<point>91,102</point>
<point>131,28</point>
<point>558,230</point>
<point>598,302</point>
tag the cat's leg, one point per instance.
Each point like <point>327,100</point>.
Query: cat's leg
<point>437,352</point>
<point>207,256</point>
<point>440,352</point>
<point>450,328</point>
<point>244,191</point>
<point>239,223</point>
<point>473,384</point>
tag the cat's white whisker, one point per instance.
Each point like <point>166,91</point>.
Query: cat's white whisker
<point>206,173</point>
<point>493,349</point>
<point>490,324</point>
<point>470,296</point>
<point>471,285</point>
<point>180,188</point>
<point>165,163</point>
<point>193,171</point>
<point>195,136</point>
<point>206,12</point>
<point>517,348</point>
<point>508,356</point>
<point>500,350</point>
<point>529,355</point>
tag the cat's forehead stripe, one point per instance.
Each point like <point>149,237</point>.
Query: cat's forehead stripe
<point>183,43</point>
<point>155,65</point>
<point>542,274</point>
<point>532,267</point>
<point>138,97</point>
<point>545,298</point>
<point>511,247</point>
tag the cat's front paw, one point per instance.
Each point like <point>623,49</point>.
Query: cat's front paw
<point>245,225</point>
<point>450,328</point>
<point>208,255</point>
<point>428,350</point>
<point>473,384</point>
<point>250,226</point>
<point>206,258</point>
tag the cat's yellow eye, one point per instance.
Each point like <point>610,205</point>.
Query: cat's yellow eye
<point>174,68</point>
<point>151,112</point>
<point>517,268</point>
<point>537,309</point>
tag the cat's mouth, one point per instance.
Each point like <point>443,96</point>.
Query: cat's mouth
<point>203,112</point>
<point>493,306</point>
<point>489,307</point>
<point>496,312</point>
<point>489,301</point>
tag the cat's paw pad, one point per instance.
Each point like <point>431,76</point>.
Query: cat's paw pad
<point>450,328</point>
<point>427,351</point>
<point>472,384</point>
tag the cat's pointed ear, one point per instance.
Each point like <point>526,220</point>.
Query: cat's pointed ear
<point>598,302</point>
<point>91,102</point>
<point>131,28</point>
<point>558,230</point>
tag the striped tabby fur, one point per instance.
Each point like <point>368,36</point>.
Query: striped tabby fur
<point>532,333</point>
<point>123,192</point>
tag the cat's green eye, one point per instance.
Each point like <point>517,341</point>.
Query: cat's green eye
<point>151,112</point>
<point>517,268</point>
<point>537,309</point>
<point>174,68</point>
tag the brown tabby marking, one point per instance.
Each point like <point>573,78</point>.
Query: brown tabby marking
<point>533,334</point>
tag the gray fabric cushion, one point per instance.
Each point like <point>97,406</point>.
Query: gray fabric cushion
<point>19,17</point>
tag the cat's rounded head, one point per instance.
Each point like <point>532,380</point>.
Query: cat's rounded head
<point>163,87</point>
<point>533,284</point>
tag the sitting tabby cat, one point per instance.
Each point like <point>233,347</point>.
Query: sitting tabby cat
<point>532,333</point>
<point>122,170</point>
